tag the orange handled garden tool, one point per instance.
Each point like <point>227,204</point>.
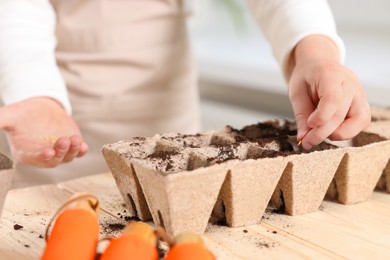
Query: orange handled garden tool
<point>76,230</point>
<point>138,242</point>
<point>189,246</point>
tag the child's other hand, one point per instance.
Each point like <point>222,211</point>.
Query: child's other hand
<point>327,98</point>
<point>41,133</point>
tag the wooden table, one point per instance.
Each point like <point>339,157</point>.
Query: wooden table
<point>336,231</point>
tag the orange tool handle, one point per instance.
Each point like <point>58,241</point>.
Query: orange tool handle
<point>130,246</point>
<point>74,236</point>
<point>189,251</point>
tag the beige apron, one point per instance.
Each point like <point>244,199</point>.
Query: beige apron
<point>129,71</point>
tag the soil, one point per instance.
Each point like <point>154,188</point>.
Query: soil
<point>282,133</point>
<point>17,226</point>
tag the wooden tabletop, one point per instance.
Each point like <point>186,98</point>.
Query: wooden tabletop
<point>334,232</point>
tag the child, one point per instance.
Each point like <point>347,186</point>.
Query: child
<point>125,68</point>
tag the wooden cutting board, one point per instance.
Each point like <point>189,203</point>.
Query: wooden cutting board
<point>335,232</point>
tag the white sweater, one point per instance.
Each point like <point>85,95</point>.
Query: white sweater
<point>27,41</point>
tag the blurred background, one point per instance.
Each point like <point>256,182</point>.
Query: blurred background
<point>240,82</point>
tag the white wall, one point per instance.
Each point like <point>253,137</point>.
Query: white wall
<point>236,53</point>
<point>362,15</point>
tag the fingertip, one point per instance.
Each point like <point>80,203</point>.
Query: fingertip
<point>347,130</point>
<point>306,146</point>
<point>314,137</point>
<point>83,150</point>
<point>63,143</point>
<point>365,117</point>
<point>84,147</point>
<point>357,121</point>
<point>47,154</point>
<point>75,140</point>
<point>301,134</point>
<point>75,145</point>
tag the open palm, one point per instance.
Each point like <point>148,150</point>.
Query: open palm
<point>41,133</point>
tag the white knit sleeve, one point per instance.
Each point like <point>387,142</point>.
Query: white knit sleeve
<point>286,22</point>
<point>27,52</point>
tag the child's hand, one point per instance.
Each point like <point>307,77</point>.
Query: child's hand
<point>327,98</point>
<point>41,133</point>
